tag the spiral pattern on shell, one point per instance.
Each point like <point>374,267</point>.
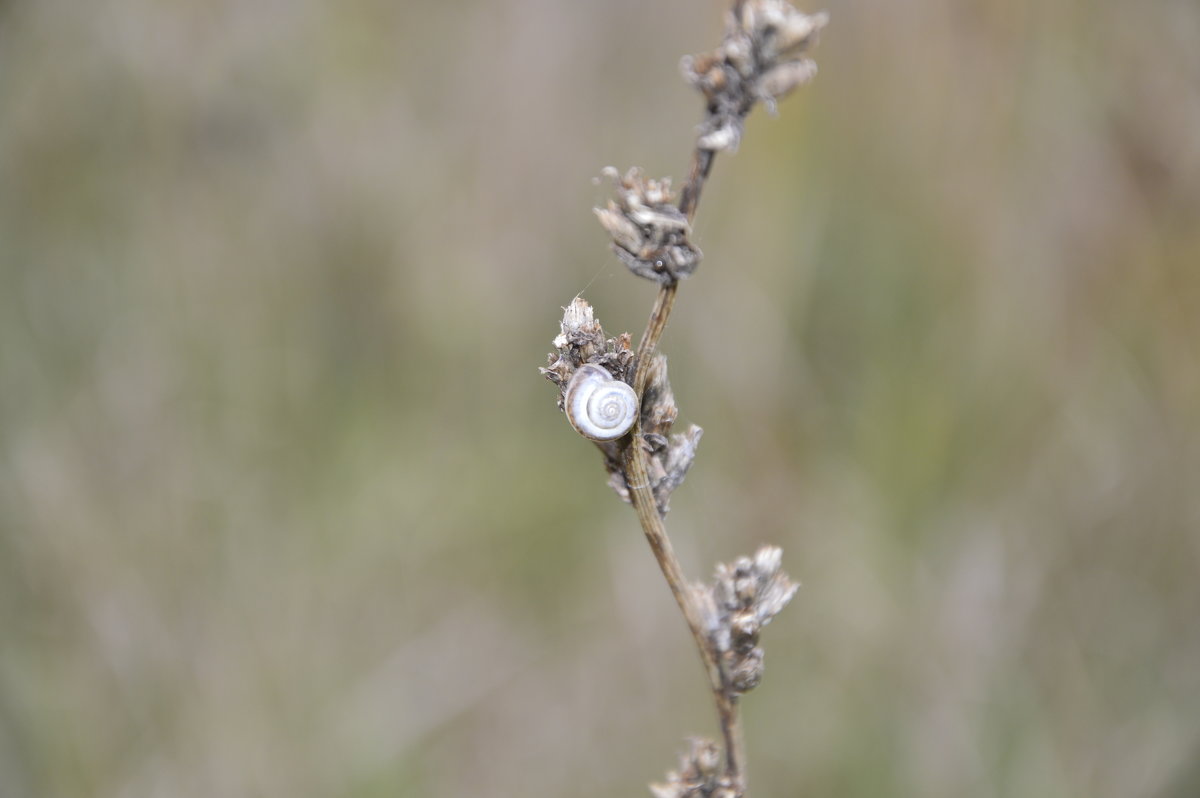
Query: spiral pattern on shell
<point>598,406</point>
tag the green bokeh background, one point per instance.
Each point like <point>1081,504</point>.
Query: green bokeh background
<point>286,509</point>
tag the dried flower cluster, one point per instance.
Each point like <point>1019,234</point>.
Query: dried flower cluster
<point>699,775</point>
<point>743,598</point>
<point>760,59</point>
<point>582,340</point>
<point>670,456</point>
<point>649,233</point>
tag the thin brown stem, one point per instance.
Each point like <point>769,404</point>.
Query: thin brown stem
<point>638,479</point>
<point>731,730</point>
<point>644,503</point>
<point>689,197</point>
<point>656,325</point>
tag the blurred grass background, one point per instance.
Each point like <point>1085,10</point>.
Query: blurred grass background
<point>286,509</point>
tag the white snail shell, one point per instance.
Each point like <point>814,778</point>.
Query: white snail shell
<point>598,406</point>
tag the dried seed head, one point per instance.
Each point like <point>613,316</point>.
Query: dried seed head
<point>781,80</point>
<point>761,59</point>
<point>586,365</point>
<point>743,631</point>
<point>670,455</point>
<point>744,596</point>
<point>779,30</point>
<point>746,672</point>
<point>580,337</point>
<point>698,774</point>
<point>649,233</point>
<point>581,345</point>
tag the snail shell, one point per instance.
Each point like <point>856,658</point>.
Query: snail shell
<point>598,406</point>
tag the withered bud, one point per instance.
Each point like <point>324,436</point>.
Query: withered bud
<point>743,598</point>
<point>670,455</point>
<point>706,72</point>
<point>658,402</point>
<point>675,462</point>
<point>781,31</point>
<point>649,233</point>
<point>780,81</point>
<point>698,774</point>
<point>743,631</point>
<point>581,340</point>
<point>746,671</point>
<point>745,582</point>
<point>580,336</point>
<point>761,59</point>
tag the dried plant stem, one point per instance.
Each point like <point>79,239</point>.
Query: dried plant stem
<point>660,544</point>
<point>656,534</point>
<point>760,59</point>
<point>644,503</point>
<point>731,731</point>
<point>656,325</point>
<point>689,197</point>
